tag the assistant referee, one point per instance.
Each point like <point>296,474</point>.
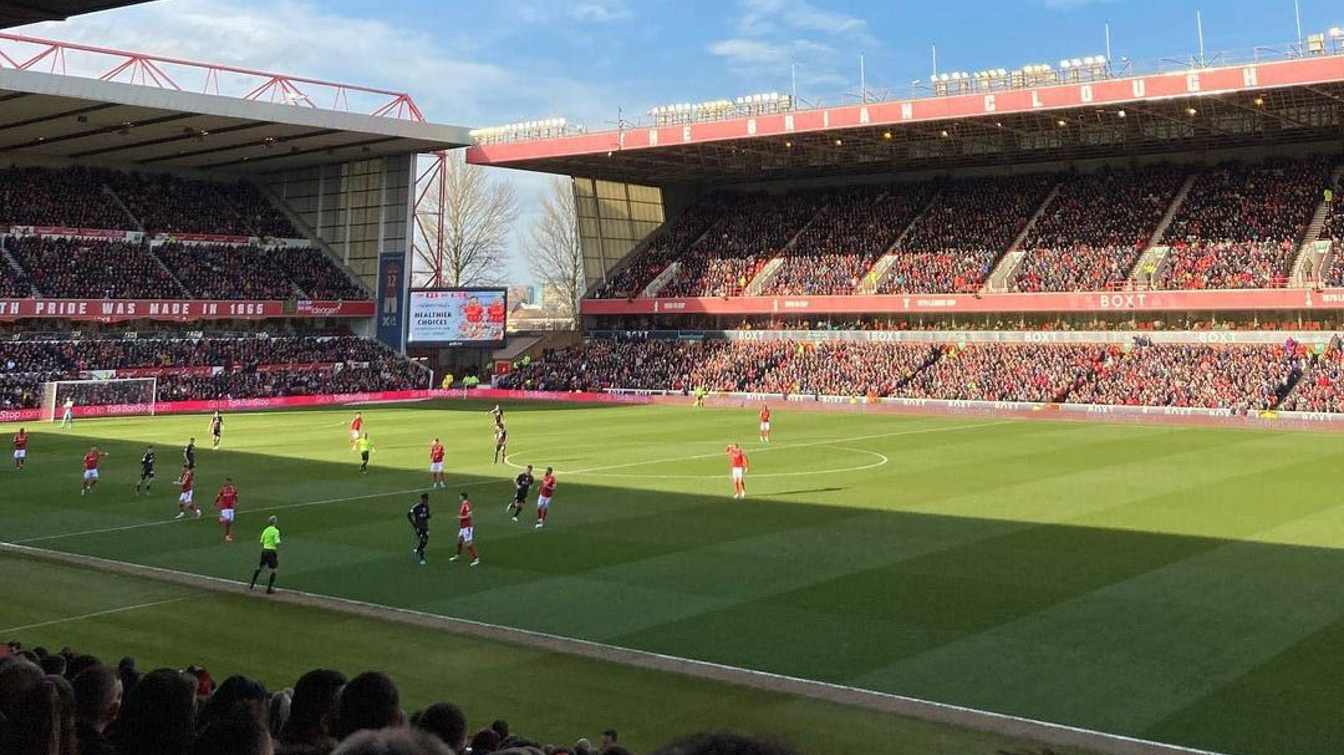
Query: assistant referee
<point>270,555</point>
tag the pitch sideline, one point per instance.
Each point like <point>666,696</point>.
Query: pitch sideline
<point>1000,724</point>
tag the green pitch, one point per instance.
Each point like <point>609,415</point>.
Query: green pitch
<point>1177,584</point>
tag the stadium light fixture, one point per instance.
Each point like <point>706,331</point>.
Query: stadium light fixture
<point>1191,111</point>
<point>886,135</point>
<point>1120,114</point>
<point>1062,123</point>
<point>1259,101</point>
<point>839,142</point>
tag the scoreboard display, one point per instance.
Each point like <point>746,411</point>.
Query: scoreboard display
<point>457,316</point>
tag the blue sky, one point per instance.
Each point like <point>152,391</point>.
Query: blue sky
<point>488,63</point>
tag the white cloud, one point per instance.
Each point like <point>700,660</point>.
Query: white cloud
<point>583,11</point>
<point>1072,4</point>
<point>774,34</point>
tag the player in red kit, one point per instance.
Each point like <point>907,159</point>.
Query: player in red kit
<point>226,500</point>
<point>465,532</point>
<point>474,315</point>
<point>765,424</point>
<point>495,312</point>
<point>436,452</point>
<point>737,458</point>
<point>20,449</point>
<point>356,428</point>
<point>187,481</point>
<point>91,461</point>
<point>544,498</point>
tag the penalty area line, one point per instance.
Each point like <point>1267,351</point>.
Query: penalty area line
<point>1001,724</point>
<point>95,614</point>
<point>247,512</point>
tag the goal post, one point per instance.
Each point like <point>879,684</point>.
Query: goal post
<point>99,398</point>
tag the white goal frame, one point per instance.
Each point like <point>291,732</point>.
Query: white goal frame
<point>55,392</point>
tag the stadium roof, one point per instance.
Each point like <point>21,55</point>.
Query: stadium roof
<point>87,119</point>
<point>1194,108</point>
<point>33,11</point>
<point>130,108</point>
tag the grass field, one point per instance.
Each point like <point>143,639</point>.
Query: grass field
<point>1172,583</point>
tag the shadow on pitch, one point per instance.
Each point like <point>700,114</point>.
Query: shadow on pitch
<point>824,587</point>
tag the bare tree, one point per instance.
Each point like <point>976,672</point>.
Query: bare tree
<point>555,254</point>
<point>470,246</point>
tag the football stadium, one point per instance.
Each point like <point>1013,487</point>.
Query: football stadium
<point>1000,417</point>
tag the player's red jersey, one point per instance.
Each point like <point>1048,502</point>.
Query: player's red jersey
<point>20,442</point>
<point>227,497</point>
<point>547,486</point>
<point>436,453</point>
<point>464,515</point>
<point>188,478</point>
<point>91,460</point>
<point>495,312</point>
<point>473,312</point>
<point>765,414</point>
<point>356,423</point>
<point>738,457</point>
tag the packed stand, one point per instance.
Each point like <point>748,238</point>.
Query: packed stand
<point>316,274</point>
<point>1005,372</point>
<point>851,232</point>
<point>847,369</point>
<point>1095,230</point>
<point>1333,231</point>
<point>13,282</point>
<point>671,241</point>
<point>78,268</point>
<point>223,271</point>
<point>1240,225</point>
<point>249,367</point>
<point>169,204</point>
<point>754,230</point>
<point>954,245</point>
<point>69,197</point>
<point>1241,378</point>
<point>1321,388</point>
<point>70,703</point>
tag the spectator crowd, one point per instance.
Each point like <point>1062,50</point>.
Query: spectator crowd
<point>248,367</point>
<point>851,232</point>
<point>1240,225</point>
<point>954,245</point>
<point>1092,233</point>
<point>1244,378</point>
<point>71,703</point>
<point>90,268</point>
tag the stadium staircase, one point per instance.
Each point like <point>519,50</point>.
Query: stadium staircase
<point>1313,257</point>
<point>313,237</point>
<point>1003,272</point>
<point>1154,254</point>
<point>116,199</point>
<point>15,266</point>
<point>762,278</point>
<point>771,268</point>
<point>875,274</point>
<point>186,293</point>
<point>660,280</point>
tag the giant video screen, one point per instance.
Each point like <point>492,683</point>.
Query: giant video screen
<point>457,316</point>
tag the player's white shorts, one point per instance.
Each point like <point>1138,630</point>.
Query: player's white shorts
<point>465,534</point>
<point>90,474</point>
<point>765,427</point>
<point>186,496</point>
<point>544,502</point>
<point>21,453</point>
<point>226,515</point>
<point>738,472</point>
<point>354,435</point>
<point>436,467</point>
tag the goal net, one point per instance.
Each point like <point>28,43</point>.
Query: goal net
<point>99,398</point>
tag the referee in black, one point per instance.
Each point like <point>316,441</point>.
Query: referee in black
<point>418,516</point>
